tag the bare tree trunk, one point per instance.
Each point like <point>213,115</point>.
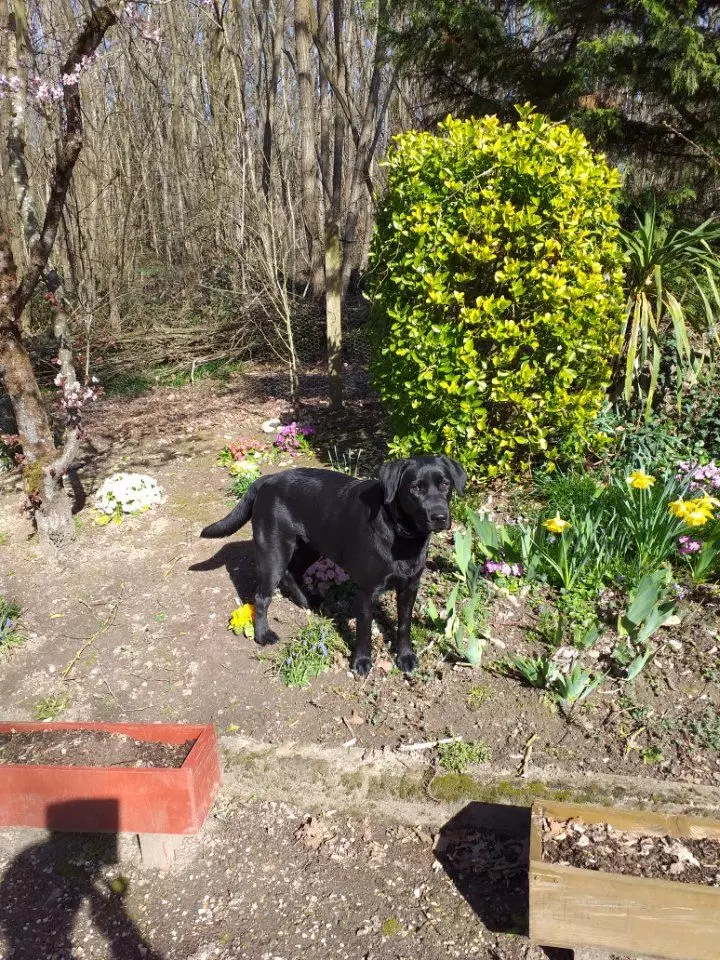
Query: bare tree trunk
<point>277,49</point>
<point>43,470</point>
<point>333,247</point>
<point>308,161</point>
<point>325,108</point>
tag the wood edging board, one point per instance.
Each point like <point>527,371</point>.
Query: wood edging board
<point>573,907</point>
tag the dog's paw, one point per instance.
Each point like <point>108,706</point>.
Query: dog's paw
<point>407,662</point>
<point>361,666</point>
<point>268,638</point>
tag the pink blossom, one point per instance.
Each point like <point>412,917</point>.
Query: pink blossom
<point>686,546</point>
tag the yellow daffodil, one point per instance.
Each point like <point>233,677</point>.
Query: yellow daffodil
<point>640,480</point>
<point>679,508</point>
<point>696,517</point>
<point>241,620</point>
<point>695,513</point>
<point>556,524</point>
<point>707,503</point>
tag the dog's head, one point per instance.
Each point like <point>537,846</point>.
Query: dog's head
<point>421,488</point>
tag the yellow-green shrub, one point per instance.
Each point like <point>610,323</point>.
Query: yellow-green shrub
<point>496,285</point>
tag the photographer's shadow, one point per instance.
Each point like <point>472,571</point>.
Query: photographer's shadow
<point>485,850</point>
<point>47,884</point>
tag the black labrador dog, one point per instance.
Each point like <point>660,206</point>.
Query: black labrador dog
<point>378,531</point>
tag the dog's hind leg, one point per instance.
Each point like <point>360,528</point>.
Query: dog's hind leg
<point>292,581</point>
<point>274,552</point>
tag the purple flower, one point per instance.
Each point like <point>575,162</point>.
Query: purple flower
<point>686,545</point>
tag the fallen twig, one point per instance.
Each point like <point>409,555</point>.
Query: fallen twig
<point>426,744</point>
<point>91,640</point>
<point>524,763</point>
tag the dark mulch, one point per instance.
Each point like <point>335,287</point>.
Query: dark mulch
<point>89,748</point>
<point>601,847</point>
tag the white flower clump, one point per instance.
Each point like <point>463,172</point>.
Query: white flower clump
<point>128,493</point>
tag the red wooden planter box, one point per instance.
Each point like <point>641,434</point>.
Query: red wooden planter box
<point>114,799</point>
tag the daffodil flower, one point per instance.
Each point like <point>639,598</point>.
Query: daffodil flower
<point>679,508</point>
<point>241,620</point>
<point>695,513</point>
<point>556,524</point>
<point>696,517</point>
<point>640,480</point>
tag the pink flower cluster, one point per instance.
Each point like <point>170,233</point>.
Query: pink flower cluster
<point>9,85</point>
<point>291,438</point>
<point>75,395</point>
<point>132,16</point>
<point>322,574</point>
<point>504,569</point>
<point>70,79</point>
<point>686,546</point>
<point>43,91</point>
<point>701,477</point>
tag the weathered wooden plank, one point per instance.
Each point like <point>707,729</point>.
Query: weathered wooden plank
<point>576,908</point>
<point>159,850</point>
<point>645,821</point>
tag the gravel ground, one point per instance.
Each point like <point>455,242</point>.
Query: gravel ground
<point>266,881</point>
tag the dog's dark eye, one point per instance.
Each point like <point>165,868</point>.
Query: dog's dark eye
<point>414,488</point>
<point>444,484</point>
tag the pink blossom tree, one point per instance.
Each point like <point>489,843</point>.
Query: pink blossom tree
<point>45,463</point>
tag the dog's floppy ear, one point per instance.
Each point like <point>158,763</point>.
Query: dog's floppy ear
<point>389,476</point>
<point>456,474</point>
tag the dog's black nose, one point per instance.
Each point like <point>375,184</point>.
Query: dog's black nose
<point>440,519</point>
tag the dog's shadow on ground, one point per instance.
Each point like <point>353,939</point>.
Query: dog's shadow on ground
<point>485,851</point>
<point>238,559</point>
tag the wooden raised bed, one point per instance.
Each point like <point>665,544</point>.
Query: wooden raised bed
<point>573,907</point>
<point>143,800</point>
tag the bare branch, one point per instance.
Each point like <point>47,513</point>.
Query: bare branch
<point>67,149</point>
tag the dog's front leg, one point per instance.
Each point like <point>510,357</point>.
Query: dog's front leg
<point>362,653</point>
<point>406,597</point>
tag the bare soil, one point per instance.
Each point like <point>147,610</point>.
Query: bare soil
<point>267,881</point>
<point>130,622</point>
<point>89,748</point>
<point>601,847</point>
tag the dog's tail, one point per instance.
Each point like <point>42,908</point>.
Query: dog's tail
<point>237,517</point>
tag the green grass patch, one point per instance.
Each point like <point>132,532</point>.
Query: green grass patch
<point>129,384</point>
<point>134,383</point>
<point>461,754</point>
<point>50,708</point>
<point>477,696</point>
<point>310,653</point>
<point>10,632</point>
